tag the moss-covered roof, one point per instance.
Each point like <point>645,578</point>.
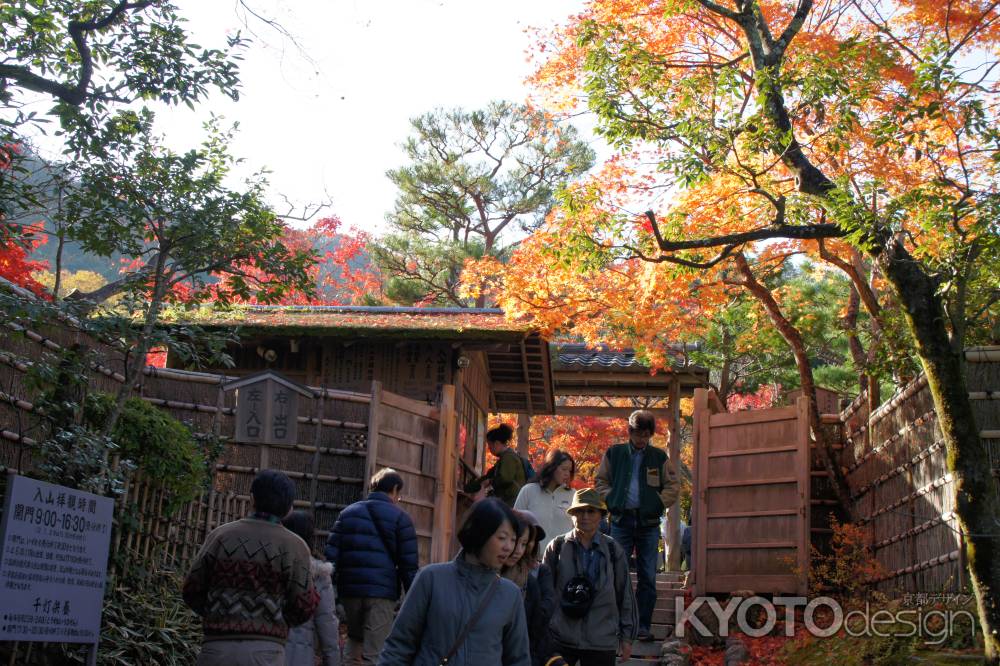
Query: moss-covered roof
<point>358,321</point>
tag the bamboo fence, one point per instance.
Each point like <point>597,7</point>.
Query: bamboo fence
<point>327,464</point>
<point>903,492</point>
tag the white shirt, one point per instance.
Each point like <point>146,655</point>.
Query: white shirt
<point>549,508</point>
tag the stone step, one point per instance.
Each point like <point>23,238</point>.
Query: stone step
<point>665,604</point>
<point>650,649</point>
<point>663,616</point>
<point>660,631</point>
<point>666,575</point>
<point>664,584</point>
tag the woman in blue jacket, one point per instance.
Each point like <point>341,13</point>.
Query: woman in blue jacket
<point>462,610</point>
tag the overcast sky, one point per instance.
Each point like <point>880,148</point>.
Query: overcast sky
<point>327,117</point>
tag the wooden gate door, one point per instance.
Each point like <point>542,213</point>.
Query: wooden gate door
<point>751,498</point>
<point>404,434</point>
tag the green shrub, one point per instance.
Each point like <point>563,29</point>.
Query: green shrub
<point>145,621</point>
<point>161,447</point>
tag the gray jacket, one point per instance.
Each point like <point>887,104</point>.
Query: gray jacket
<point>437,607</point>
<point>300,650</point>
<point>612,617</point>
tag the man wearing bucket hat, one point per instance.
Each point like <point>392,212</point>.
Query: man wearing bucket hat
<point>638,481</point>
<point>594,612</point>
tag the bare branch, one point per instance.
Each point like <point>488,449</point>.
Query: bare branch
<point>309,210</point>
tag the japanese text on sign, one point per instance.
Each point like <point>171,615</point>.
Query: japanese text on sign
<point>267,413</point>
<point>54,544</point>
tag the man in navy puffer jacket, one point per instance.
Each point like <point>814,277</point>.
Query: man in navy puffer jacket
<point>373,548</point>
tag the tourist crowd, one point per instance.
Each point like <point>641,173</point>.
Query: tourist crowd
<point>536,580</point>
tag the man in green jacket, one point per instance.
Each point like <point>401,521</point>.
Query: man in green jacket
<point>638,483</point>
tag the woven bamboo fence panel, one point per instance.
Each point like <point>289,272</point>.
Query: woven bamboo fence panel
<point>903,492</point>
<point>327,464</point>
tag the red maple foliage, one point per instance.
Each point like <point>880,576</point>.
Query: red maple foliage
<point>341,276</point>
<point>764,397</point>
<point>16,266</point>
<point>586,438</point>
<point>19,243</point>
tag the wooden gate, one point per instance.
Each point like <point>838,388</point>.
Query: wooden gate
<point>751,484</point>
<point>407,435</point>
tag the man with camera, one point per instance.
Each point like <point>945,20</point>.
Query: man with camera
<point>595,613</point>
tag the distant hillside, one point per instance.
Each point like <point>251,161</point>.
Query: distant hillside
<point>40,174</point>
<point>76,259</point>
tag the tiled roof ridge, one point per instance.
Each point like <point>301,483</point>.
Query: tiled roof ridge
<point>371,309</point>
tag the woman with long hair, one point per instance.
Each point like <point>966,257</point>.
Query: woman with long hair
<point>550,496</point>
<point>535,581</point>
<point>462,612</point>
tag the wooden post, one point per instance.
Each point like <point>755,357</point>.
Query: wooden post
<point>699,509</point>
<point>804,474</point>
<point>523,430</point>
<point>371,457</point>
<point>673,542</point>
<point>445,491</point>
<point>314,482</point>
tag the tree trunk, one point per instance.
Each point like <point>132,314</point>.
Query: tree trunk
<point>858,354</point>
<point>142,344</point>
<point>976,500</point>
<point>57,287</point>
<point>794,339</point>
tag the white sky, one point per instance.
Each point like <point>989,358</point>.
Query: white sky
<point>332,127</point>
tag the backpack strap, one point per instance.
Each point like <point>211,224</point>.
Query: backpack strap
<point>559,542</point>
<point>618,561</point>
<point>378,530</point>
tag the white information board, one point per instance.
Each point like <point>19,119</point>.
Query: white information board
<point>53,562</point>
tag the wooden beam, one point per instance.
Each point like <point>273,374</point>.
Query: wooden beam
<point>374,416</point>
<point>629,390</point>
<point>523,430</point>
<point>445,489</point>
<point>674,446</point>
<point>608,412</point>
<point>511,387</point>
<point>527,377</point>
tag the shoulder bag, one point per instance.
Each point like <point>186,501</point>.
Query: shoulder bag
<point>472,622</point>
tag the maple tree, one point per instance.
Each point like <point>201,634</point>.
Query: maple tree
<point>16,264</point>
<point>174,214</point>
<point>864,134</point>
<point>342,273</point>
<point>89,58</point>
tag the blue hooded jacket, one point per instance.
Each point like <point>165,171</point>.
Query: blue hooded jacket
<point>357,549</point>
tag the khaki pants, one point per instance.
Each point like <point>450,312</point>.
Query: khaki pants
<point>241,653</point>
<point>368,623</point>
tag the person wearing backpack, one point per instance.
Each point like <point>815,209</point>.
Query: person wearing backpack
<point>510,472</point>
<point>373,548</point>
<point>594,612</point>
